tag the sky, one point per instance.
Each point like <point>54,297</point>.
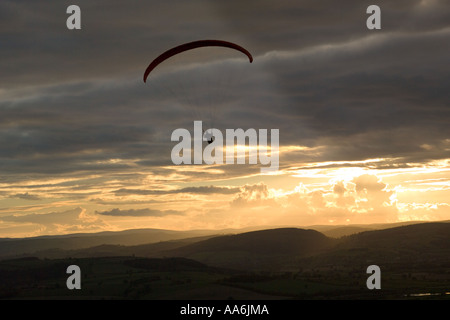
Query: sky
<point>85,145</point>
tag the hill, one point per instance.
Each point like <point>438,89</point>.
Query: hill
<point>17,247</point>
<point>110,250</point>
<point>272,249</point>
<point>11,247</point>
<point>275,263</point>
<point>431,236</point>
<point>424,247</point>
<point>338,231</point>
<point>264,249</point>
<point>271,242</point>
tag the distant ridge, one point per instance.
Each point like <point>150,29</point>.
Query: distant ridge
<point>212,246</point>
<point>16,247</point>
<point>435,235</point>
<point>279,241</point>
<point>284,262</point>
<point>276,249</point>
<point>264,249</point>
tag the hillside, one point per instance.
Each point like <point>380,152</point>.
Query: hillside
<point>256,249</point>
<point>16,247</point>
<point>275,263</point>
<point>249,250</point>
<point>110,250</point>
<point>10,247</point>
<point>271,242</point>
<point>275,249</point>
<point>272,249</point>
<point>422,247</point>
<point>430,236</point>
<point>338,231</point>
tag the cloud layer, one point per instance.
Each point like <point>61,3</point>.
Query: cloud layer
<point>79,128</point>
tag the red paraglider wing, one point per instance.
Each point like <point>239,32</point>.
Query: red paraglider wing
<point>192,45</point>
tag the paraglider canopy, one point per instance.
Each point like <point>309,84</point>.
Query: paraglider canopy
<point>193,45</point>
<point>203,88</point>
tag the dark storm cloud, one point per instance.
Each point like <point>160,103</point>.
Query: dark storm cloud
<point>117,37</point>
<point>348,97</point>
<point>71,101</point>
<point>75,127</point>
<point>358,93</point>
<point>289,24</point>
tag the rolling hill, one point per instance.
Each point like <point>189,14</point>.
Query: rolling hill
<point>282,262</point>
<point>272,249</point>
<point>264,249</point>
<point>12,247</point>
<point>276,249</point>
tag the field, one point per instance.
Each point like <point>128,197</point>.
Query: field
<point>168,279</point>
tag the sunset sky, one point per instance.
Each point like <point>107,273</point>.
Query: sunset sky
<point>85,144</point>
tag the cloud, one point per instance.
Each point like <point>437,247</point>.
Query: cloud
<point>341,97</point>
<point>253,195</point>
<point>46,218</point>
<point>58,222</point>
<point>74,105</point>
<point>139,213</point>
<point>25,196</point>
<point>193,190</point>
<point>364,199</point>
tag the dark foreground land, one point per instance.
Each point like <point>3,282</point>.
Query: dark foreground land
<point>283,263</point>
